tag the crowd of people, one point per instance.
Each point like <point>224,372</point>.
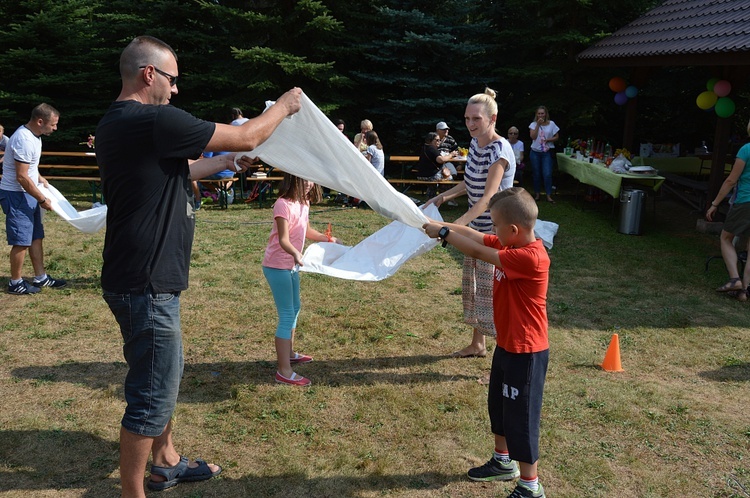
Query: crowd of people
<point>148,242</point>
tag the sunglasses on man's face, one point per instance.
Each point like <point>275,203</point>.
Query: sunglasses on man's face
<point>172,79</point>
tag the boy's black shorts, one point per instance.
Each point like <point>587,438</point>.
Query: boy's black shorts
<point>515,400</point>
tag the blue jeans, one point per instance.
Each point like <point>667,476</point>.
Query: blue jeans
<point>152,346</point>
<point>541,169</point>
<point>221,175</point>
<point>285,289</point>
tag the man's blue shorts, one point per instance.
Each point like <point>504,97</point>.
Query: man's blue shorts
<point>23,218</point>
<point>515,400</point>
<point>152,346</point>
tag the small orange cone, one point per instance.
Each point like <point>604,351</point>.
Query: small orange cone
<point>611,361</point>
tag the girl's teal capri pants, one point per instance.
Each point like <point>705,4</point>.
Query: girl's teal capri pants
<point>285,289</point>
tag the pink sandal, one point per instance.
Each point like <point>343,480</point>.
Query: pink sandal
<point>300,358</point>
<point>296,380</point>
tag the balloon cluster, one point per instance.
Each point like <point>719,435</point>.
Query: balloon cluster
<point>622,90</point>
<point>716,97</point>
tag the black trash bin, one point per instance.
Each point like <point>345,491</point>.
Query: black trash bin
<point>631,211</point>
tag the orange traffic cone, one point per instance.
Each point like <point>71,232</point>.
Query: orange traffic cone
<point>611,361</point>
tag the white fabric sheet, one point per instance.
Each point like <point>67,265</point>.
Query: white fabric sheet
<point>375,258</point>
<point>88,221</point>
<point>308,145</point>
<point>546,230</point>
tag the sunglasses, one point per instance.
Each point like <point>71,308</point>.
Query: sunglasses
<point>172,79</point>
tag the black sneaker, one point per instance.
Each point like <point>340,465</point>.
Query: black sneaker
<point>522,491</point>
<point>22,287</point>
<point>495,470</point>
<point>51,282</point>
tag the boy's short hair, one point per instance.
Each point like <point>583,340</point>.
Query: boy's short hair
<point>517,206</point>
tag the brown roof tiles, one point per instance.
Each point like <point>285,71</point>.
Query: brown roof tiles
<point>679,32</point>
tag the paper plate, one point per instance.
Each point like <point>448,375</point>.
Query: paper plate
<point>642,169</point>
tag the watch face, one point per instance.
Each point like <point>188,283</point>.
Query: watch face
<point>444,233</point>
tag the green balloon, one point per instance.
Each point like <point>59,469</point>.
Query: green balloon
<point>724,107</point>
<point>710,84</point>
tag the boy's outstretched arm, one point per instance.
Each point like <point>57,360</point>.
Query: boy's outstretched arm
<point>465,239</point>
<point>468,232</point>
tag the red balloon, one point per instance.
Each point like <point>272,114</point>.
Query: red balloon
<point>617,84</point>
<point>722,88</point>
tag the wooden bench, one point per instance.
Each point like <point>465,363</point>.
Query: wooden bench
<point>693,192</point>
<point>407,160</point>
<point>259,192</point>
<point>54,171</point>
<point>262,188</point>
<point>431,185</point>
<point>222,188</point>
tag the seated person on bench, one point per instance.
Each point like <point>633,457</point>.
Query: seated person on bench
<point>431,164</point>
<point>227,174</point>
<point>214,187</point>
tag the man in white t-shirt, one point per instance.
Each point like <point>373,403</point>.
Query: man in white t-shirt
<point>22,201</point>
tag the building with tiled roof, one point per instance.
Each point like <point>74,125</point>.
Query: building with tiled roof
<point>682,33</point>
<point>679,33</point>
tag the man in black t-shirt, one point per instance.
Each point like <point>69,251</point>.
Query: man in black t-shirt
<point>143,148</point>
<point>431,165</point>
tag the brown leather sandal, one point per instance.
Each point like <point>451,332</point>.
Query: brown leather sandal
<point>733,284</point>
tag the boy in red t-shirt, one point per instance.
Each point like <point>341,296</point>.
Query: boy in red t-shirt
<point>519,364</point>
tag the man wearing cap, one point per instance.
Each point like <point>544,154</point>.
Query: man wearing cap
<point>446,144</point>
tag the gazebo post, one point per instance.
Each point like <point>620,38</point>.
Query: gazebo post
<point>718,158</point>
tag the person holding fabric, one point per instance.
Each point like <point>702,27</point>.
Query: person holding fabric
<point>519,364</point>
<point>359,138</point>
<point>22,201</point>
<point>281,264</point>
<point>518,151</point>
<point>544,134</point>
<point>147,245</point>
<point>374,152</point>
<point>737,223</point>
<point>490,167</point>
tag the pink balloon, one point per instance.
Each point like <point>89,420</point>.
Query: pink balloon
<point>722,88</point>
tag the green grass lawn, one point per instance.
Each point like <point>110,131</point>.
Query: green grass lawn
<point>389,413</point>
